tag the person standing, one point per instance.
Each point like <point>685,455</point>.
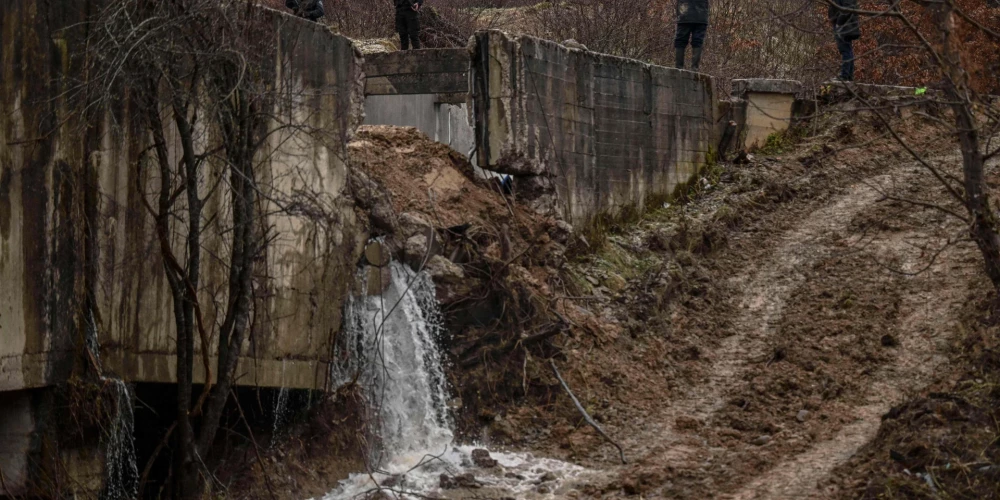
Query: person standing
<point>309,9</point>
<point>408,23</point>
<point>846,29</point>
<point>692,24</point>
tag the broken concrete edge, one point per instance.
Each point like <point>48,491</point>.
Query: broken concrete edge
<point>509,70</point>
<point>744,86</point>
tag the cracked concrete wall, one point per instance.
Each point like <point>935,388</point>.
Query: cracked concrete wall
<point>70,217</point>
<point>601,132</point>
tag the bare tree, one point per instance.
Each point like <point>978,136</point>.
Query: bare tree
<point>198,79</point>
<point>971,119</point>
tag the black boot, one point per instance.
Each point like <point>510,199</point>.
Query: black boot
<point>680,58</point>
<point>695,58</point>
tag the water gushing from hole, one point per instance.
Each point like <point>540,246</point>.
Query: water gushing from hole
<point>121,470</point>
<point>389,344</point>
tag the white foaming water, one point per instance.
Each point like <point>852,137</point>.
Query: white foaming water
<point>121,470</point>
<point>389,344</point>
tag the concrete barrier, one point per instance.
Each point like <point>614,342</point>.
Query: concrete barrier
<point>588,134</point>
<point>72,224</point>
<point>768,110</point>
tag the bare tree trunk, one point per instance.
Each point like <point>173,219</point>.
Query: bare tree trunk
<point>984,227</point>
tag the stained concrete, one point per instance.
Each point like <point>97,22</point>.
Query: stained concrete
<point>606,133</point>
<point>16,426</point>
<point>769,108</point>
<point>68,197</point>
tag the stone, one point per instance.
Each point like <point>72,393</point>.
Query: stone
<point>802,416</point>
<point>466,480</point>
<point>615,282</point>
<point>450,283</point>
<point>411,223</point>
<point>548,477</point>
<point>416,250</point>
<point>761,441</point>
<point>381,216</point>
<point>482,459</point>
<point>444,270</point>
<point>560,232</point>
<point>573,44</point>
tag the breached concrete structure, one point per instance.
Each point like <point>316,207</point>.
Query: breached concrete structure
<point>78,251</point>
<point>602,134</point>
<point>591,133</point>
<point>426,89</point>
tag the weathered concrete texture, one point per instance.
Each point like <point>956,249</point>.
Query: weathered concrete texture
<point>766,114</point>
<point>605,132</point>
<point>763,85</point>
<point>69,197</point>
<point>445,123</point>
<point>41,180</point>
<point>430,71</point>
<point>769,108</point>
<point>16,426</point>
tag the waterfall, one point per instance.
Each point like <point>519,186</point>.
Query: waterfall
<point>280,409</point>
<point>395,340</point>
<point>389,344</point>
<point>121,470</point>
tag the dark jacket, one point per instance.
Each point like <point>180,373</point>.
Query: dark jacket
<point>845,24</point>
<point>309,9</point>
<point>692,11</point>
<point>407,5</point>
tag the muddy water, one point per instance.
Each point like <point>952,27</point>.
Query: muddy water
<point>391,343</point>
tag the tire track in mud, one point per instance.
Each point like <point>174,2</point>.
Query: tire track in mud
<point>764,291</point>
<point>927,315</point>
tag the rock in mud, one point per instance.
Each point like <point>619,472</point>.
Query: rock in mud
<point>449,279</point>
<point>482,458</point>
<point>561,231</point>
<point>547,477</point>
<point>761,441</point>
<point>411,223</point>
<point>444,270</point>
<point>802,416</point>
<point>615,283</point>
<point>467,480</point>
<point>416,250</point>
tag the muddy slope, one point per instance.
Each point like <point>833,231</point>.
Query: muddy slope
<point>771,324</point>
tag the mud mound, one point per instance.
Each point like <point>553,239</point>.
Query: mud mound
<point>429,177</point>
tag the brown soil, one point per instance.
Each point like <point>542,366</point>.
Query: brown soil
<point>743,345</point>
<point>774,321</point>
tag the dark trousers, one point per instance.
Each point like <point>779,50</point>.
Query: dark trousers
<point>695,33</point>
<point>846,48</point>
<point>408,27</point>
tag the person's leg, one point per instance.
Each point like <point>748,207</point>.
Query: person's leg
<point>850,61</point>
<point>681,42</point>
<point>413,28</point>
<point>697,41</point>
<point>846,58</point>
<point>404,40</point>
